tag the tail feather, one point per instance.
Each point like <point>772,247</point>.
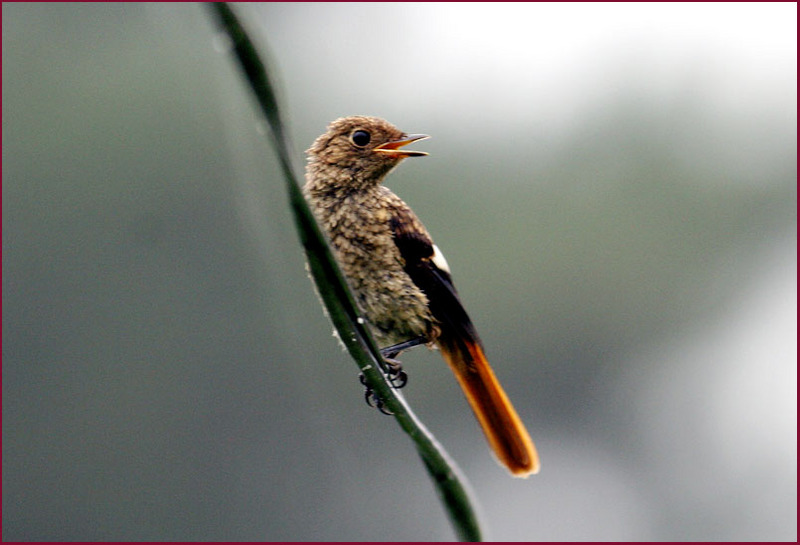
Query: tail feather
<point>502,426</point>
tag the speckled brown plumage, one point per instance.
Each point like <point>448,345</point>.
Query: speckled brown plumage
<point>354,210</point>
<point>399,278</point>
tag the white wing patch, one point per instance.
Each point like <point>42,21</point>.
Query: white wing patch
<point>439,260</point>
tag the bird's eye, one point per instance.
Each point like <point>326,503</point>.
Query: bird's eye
<point>360,138</point>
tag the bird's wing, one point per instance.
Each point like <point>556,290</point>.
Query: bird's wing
<point>461,347</point>
<point>428,270</point>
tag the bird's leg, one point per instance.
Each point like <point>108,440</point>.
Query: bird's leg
<point>395,349</point>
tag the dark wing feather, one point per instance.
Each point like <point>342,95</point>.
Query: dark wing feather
<point>416,249</point>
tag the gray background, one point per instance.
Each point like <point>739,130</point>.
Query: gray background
<point>614,187</point>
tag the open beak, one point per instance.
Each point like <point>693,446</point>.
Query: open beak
<point>393,148</point>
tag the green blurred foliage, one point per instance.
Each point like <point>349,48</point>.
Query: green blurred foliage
<point>621,224</point>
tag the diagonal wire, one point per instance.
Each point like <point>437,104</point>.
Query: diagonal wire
<point>337,299</point>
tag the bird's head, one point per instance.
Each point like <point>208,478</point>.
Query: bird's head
<point>359,150</point>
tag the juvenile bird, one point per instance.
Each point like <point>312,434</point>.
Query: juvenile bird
<point>399,277</point>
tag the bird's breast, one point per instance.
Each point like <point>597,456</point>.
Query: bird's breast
<point>358,227</point>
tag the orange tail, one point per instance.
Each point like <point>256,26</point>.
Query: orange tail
<point>504,430</point>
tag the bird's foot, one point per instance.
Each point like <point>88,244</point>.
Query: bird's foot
<point>372,398</point>
<point>393,367</point>
<point>394,372</point>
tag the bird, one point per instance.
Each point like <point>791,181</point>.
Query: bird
<point>400,279</point>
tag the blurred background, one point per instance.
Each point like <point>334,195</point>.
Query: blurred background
<point>614,186</point>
